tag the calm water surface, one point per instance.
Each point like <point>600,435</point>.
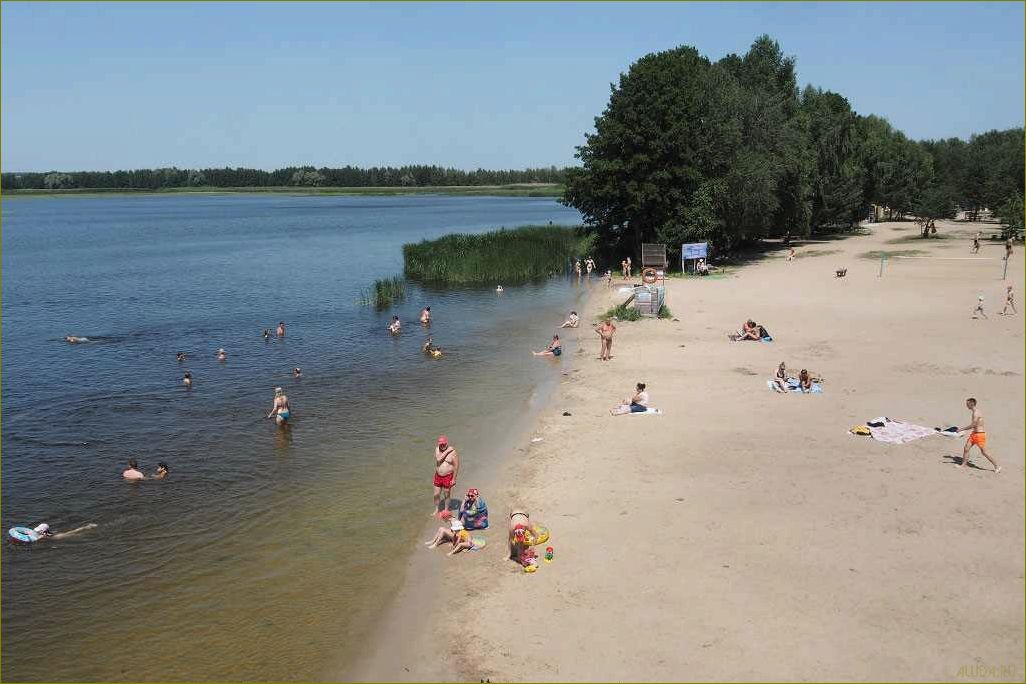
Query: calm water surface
<point>268,550</point>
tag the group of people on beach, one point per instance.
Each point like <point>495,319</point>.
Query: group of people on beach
<point>978,312</point>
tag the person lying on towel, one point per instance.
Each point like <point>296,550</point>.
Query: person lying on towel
<point>748,331</point>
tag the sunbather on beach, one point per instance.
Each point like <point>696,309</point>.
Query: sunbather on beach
<point>572,321</point>
<point>748,331</point>
<point>474,511</point>
<point>555,348</point>
<point>780,379</point>
<point>977,436</point>
<point>638,403</point>
<point>455,533</point>
<point>805,381</point>
<point>605,333</point>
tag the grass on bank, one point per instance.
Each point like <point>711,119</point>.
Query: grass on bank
<point>515,190</point>
<point>383,293</point>
<point>621,312</point>
<point>500,257</point>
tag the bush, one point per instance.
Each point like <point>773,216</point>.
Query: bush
<point>383,293</point>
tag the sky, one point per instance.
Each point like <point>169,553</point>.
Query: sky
<point>115,85</point>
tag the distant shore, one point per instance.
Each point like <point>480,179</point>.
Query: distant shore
<point>514,190</point>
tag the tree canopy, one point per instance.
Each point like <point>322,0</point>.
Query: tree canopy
<point>729,151</point>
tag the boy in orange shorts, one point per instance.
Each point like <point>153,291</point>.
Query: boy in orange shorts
<point>977,437</point>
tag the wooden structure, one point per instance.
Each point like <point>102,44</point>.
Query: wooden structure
<point>654,256</point>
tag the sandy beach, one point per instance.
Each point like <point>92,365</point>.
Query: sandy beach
<point>746,535</point>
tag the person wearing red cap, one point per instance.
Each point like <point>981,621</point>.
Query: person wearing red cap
<point>447,469</point>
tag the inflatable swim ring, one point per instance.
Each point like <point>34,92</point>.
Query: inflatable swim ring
<point>23,535</point>
<point>541,535</point>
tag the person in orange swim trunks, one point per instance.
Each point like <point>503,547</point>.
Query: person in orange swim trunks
<point>977,436</point>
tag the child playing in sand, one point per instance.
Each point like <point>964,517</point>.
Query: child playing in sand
<point>459,537</point>
<point>979,308</point>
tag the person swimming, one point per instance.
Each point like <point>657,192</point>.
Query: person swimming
<point>266,334</point>
<point>71,339</point>
<point>297,372</point>
<point>222,355</point>
<point>187,380</point>
<point>425,316</point>
<point>280,332</point>
<point>162,471</point>
<point>395,327</point>
<point>132,472</point>
<point>498,288</point>
<point>180,356</point>
<point>280,411</point>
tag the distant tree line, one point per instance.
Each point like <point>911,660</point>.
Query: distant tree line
<point>689,150</point>
<point>348,176</point>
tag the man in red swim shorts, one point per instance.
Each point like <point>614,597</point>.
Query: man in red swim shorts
<point>447,469</point>
<point>978,436</point>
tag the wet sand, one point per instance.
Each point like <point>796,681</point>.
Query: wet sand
<point>745,535</point>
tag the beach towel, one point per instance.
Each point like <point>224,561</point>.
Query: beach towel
<point>478,543</point>
<point>897,432</point>
<point>794,386</point>
<point>648,412</point>
<point>476,516</point>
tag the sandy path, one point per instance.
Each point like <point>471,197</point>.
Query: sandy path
<point>745,535</point>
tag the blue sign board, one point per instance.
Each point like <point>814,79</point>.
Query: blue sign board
<point>695,250</point>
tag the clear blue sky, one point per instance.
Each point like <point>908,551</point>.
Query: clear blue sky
<point>136,85</point>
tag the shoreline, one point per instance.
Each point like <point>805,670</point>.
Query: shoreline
<point>720,540</point>
<point>514,190</point>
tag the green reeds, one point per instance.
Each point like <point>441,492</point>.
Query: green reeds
<point>501,257</point>
<point>383,293</point>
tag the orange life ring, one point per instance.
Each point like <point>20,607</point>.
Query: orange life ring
<point>649,276</point>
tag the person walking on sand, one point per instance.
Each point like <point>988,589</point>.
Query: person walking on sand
<point>1009,301</point>
<point>630,269</point>
<point>623,268</point>
<point>976,244</point>
<point>589,265</point>
<point>605,333</point>
<point>577,268</point>
<point>1008,249</point>
<point>280,332</point>
<point>447,469</point>
<point>979,308</point>
<point>609,278</point>
<point>977,436</point>
<point>281,410</point>
<point>790,255</point>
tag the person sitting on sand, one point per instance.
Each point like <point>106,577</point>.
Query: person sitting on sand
<point>780,379</point>
<point>572,321</point>
<point>281,409</point>
<point>455,533</point>
<point>638,403</point>
<point>425,316</point>
<point>180,356</point>
<point>187,380</point>
<point>555,348</point>
<point>162,471</point>
<point>805,381</point>
<point>395,327</point>
<point>474,511</point>
<point>222,355</point>
<point>749,331</point>
<point>133,472</point>
<point>1009,301</point>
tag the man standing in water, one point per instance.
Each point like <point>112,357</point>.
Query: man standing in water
<point>447,468</point>
<point>978,436</point>
<point>425,316</point>
<point>280,332</point>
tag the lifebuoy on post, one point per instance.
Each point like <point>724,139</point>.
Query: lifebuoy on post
<point>649,276</point>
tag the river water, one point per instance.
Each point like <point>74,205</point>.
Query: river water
<point>268,552</point>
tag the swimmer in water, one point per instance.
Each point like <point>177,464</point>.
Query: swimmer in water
<point>280,411</point>
<point>425,316</point>
<point>498,288</point>
<point>162,471</point>
<point>222,355</point>
<point>280,332</point>
<point>187,380</point>
<point>44,531</point>
<point>429,347</point>
<point>133,472</point>
<point>71,339</point>
<point>395,327</point>
<point>297,372</point>
<point>266,334</point>
<point>180,356</point>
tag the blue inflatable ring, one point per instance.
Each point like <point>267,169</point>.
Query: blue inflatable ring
<point>23,535</point>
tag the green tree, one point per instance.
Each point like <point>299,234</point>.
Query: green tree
<point>935,202</point>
